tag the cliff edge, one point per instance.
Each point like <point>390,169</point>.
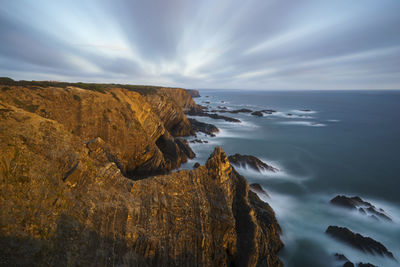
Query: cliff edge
<point>67,202</point>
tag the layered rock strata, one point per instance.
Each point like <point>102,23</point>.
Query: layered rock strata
<point>139,130</point>
<point>66,200</point>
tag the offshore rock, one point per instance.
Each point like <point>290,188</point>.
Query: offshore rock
<point>203,127</point>
<point>257,113</point>
<point>201,113</point>
<point>365,244</point>
<point>363,207</point>
<point>252,162</point>
<point>235,111</point>
<point>64,203</point>
<point>193,93</point>
<point>361,264</point>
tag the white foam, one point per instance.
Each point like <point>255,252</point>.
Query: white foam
<point>303,123</point>
<point>333,120</point>
<point>302,111</point>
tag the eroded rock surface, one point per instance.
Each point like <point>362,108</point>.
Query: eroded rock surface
<point>65,202</point>
<point>135,127</point>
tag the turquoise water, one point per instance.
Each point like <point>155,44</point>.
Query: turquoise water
<point>349,144</point>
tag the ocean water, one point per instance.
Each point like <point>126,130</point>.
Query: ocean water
<point>348,144</point>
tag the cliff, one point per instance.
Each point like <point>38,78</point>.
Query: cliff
<point>193,93</point>
<point>66,201</point>
<point>139,130</point>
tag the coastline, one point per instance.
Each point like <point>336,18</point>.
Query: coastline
<point>78,167</point>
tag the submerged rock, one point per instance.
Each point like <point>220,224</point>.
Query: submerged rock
<point>252,162</point>
<point>243,110</point>
<point>268,111</point>
<point>235,111</point>
<point>361,264</point>
<point>363,207</point>
<point>199,141</point>
<point>348,263</point>
<point>365,244</point>
<point>215,116</point>
<point>203,127</point>
<point>340,257</point>
<point>257,113</point>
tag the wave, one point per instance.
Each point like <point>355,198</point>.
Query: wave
<point>299,111</point>
<point>303,123</point>
<point>304,220</point>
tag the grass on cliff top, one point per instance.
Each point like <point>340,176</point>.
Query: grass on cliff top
<point>98,87</point>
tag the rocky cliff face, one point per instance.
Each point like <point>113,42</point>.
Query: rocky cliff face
<point>65,201</point>
<point>138,130</point>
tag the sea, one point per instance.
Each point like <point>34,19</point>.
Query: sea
<point>324,143</point>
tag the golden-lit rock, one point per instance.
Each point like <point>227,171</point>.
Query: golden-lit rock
<point>65,202</point>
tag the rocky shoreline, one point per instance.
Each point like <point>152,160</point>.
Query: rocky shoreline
<point>86,180</point>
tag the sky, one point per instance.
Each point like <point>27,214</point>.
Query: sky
<point>229,44</point>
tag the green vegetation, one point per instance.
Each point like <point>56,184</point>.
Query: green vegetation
<point>98,87</point>
<point>77,97</point>
<point>31,108</point>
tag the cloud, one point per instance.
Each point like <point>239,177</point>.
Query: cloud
<point>255,44</point>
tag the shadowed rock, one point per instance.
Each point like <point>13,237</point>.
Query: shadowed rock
<point>365,244</point>
<point>203,127</point>
<point>201,113</point>
<point>199,141</point>
<point>235,111</point>
<point>363,207</point>
<point>252,162</point>
<point>361,264</point>
<point>193,93</point>
<point>258,189</point>
<point>268,111</point>
<point>257,113</point>
<point>98,217</point>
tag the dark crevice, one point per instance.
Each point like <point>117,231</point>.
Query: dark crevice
<point>70,171</point>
